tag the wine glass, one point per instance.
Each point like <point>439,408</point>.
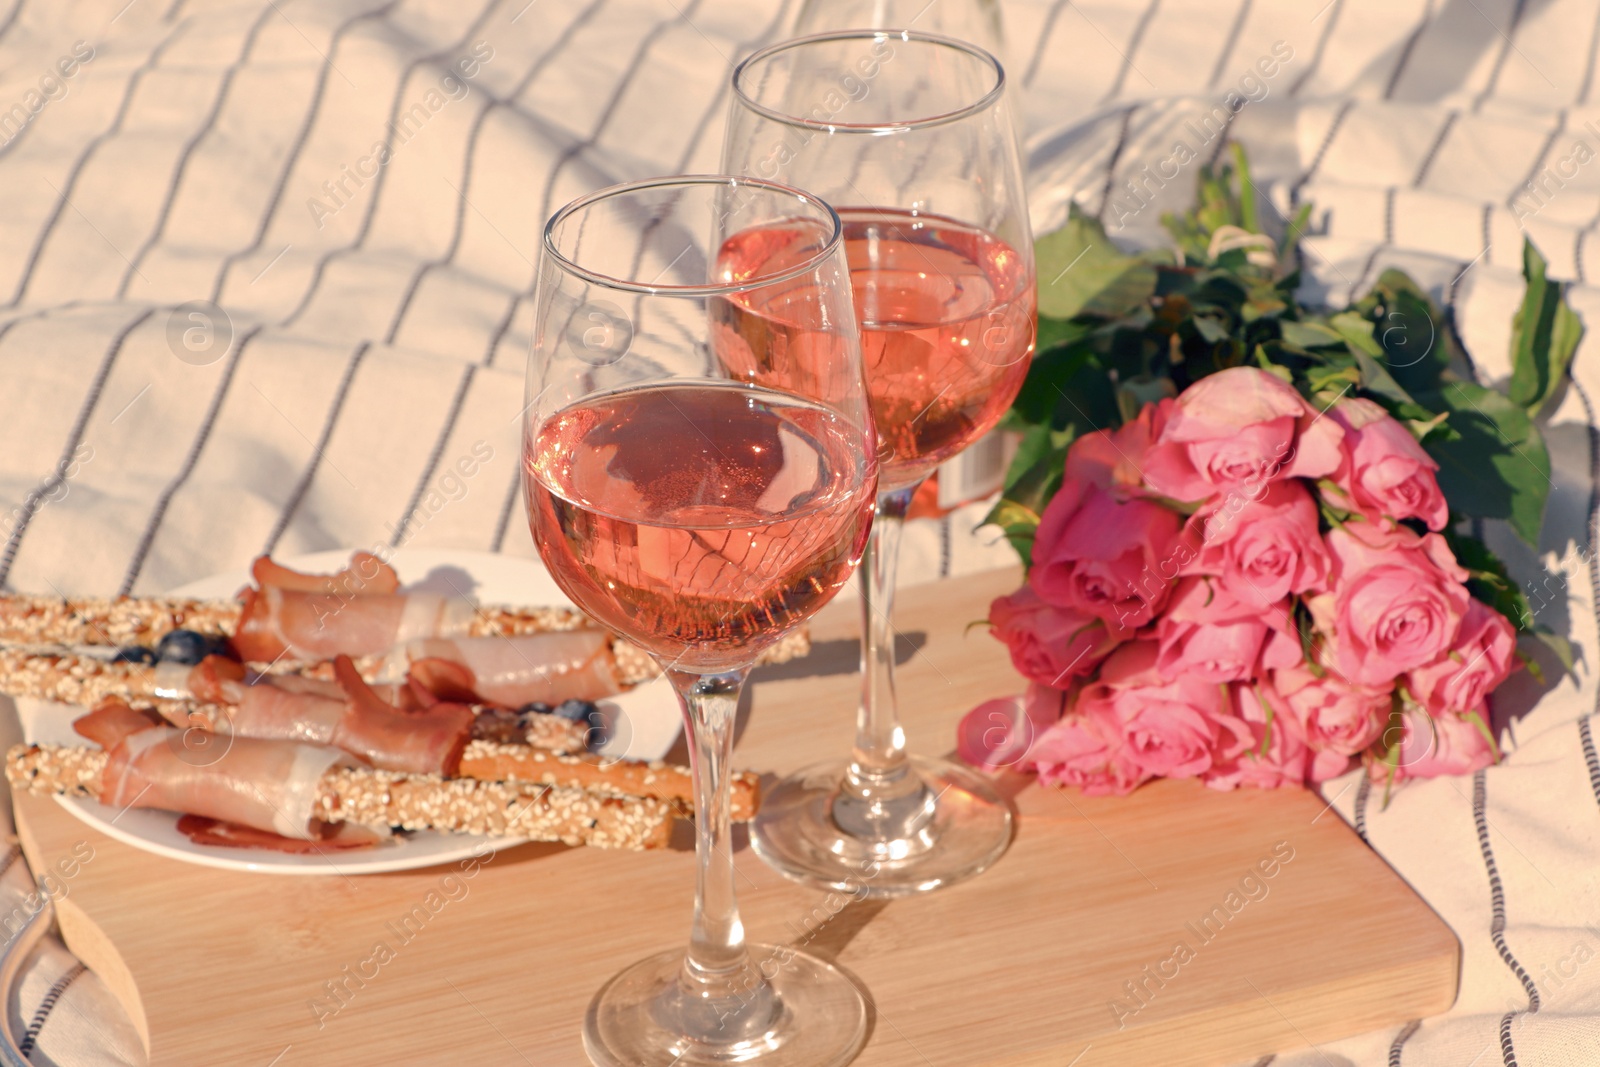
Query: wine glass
<point>974,21</point>
<point>908,135</point>
<point>699,474</point>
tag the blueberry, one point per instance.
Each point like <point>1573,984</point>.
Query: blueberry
<point>538,707</point>
<point>578,710</point>
<point>188,647</point>
<point>134,654</point>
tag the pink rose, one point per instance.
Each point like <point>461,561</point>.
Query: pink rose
<point>1338,719</point>
<point>1235,431</point>
<point>1264,548</point>
<point>1206,634</point>
<point>1431,746</point>
<point>1397,601</point>
<point>999,733</point>
<point>1077,751</point>
<point>1484,656</point>
<point>1096,555</point>
<point>1114,459</point>
<point>1385,472</point>
<point>1050,644</point>
<point>1153,728</point>
<point>1276,755</point>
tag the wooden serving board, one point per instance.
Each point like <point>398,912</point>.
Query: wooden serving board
<point>1035,962</point>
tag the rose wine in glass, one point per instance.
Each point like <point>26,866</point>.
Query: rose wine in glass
<point>714,548</point>
<point>908,134</point>
<point>946,313</point>
<point>702,509</point>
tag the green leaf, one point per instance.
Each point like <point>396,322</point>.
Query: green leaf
<point>1134,394</point>
<point>1018,523</point>
<point>1247,190</point>
<point>1039,445</point>
<point>1375,378</point>
<point>1494,464</point>
<point>1334,381</point>
<point>1378,381</point>
<point>1421,428</point>
<point>1051,374</point>
<point>1310,335</point>
<point>1354,329</point>
<point>1070,388</point>
<point>1254,310</point>
<point>1556,643</point>
<point>1294,231</point>
<point>1276,370</point>
<point>1483,728</point>
<point>1414,335</point>
<point>1082,273</point>
<point>1544,335</point>
<point>1035,475</point>
<point>1389,750</point>
<point>1054,333</point>
<point>1303,627</point>
<point>1213,330</point>
<point>1266,726</point>
<point>1488,579</point>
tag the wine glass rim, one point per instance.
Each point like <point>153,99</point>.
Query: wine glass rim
<point>982,103</point>
<point>757,281</point>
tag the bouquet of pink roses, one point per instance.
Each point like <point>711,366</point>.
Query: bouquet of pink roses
<point>1253,526</point>
<point>1297,610</point>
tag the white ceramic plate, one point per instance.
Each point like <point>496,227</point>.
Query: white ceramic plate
<point>646,723</point>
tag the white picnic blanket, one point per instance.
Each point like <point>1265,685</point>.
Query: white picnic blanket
<point>162,159</point>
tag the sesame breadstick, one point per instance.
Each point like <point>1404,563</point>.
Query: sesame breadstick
<point>113,621</point>
<point>634,665</point>
<point>128,620</point>
<point>562,763</point>
<point>384,799</point>
<point>536,755</point>
<point>67,678</point>
<point>125,621</point>
<point>488,761</point>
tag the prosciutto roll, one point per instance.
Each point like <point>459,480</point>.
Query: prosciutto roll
<point>549,667</point>
<point>114,724</point>
<point>381,800</point>
<point>267,785</point>
<point>427,741</point>
<point>112,721</point>
<point>345,713</point>
<point>357,612</point>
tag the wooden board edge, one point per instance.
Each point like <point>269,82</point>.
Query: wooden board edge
<point>1210,1038</point>
<point>82,934</point>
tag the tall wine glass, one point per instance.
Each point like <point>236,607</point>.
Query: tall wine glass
<point>699,473</point>
<point>909,137</point>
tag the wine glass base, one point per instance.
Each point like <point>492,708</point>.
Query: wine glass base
<point>796,834</point>
<point>819,1017</point>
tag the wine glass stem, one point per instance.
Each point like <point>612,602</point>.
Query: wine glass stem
<point>879,795</point>
<point>724,990</point>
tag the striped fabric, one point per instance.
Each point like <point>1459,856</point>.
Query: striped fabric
<point>265,271</point>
